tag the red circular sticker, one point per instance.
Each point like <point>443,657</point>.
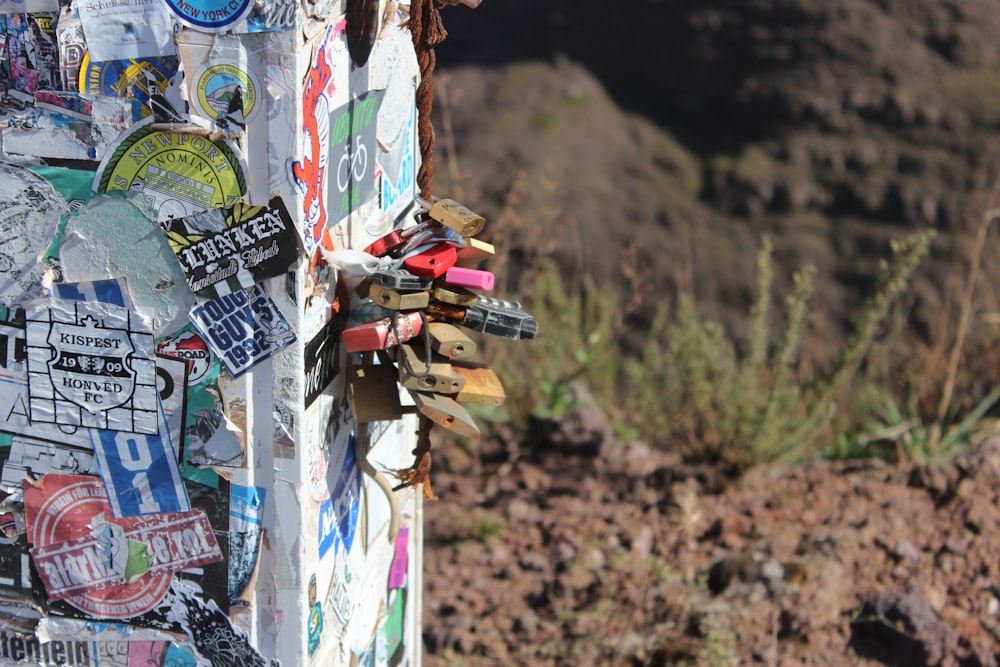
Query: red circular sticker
<point>78,503</point>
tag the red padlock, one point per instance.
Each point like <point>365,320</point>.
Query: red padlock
<point>383,334</point>
<point>386,244</point>
<point>434,262</point>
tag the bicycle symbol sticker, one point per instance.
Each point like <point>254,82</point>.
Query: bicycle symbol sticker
<point>352,153</point>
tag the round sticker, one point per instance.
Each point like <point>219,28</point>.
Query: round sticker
<point>66,515</point>
<point>211,15</point>
<point>216,85</point>
<point>178,174</point>
<point>129,79</point>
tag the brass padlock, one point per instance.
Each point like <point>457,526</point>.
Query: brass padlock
<point>415,373</point>
<point>373,393</point>
<point>474,253</point>
<point>451,341</point>
<point>394,300</point>
<point>482,386</point>
<point>445,412</point>
<point>454,295</point>
<point>453,215</point>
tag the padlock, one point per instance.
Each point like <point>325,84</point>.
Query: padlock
<point>433,262</point>
<point>473,278</point>
<point>386,244</point>
<point>474,253</point>
<point>457,296</point>
<point>482,385</point>
<point>451,341</point>
<point>415,373</point>
<point>384,333</point>
<point>399,279</point>
<point>439,310</point>
<point>445,412</point>
<point>388,298</point>
<point>452,214</point>
<point>505,319</point>
<point>373,393</point>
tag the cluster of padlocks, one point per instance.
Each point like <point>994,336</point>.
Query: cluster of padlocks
<point>424,293</point>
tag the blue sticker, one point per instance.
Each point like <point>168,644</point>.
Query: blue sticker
<point>212,15</point>
<point>140,472</point>
<point>338,514</point>
<point>246,505</point>
<point>243,329</point>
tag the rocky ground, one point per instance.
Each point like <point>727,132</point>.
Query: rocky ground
<point>627,557</point>
<point>650,145</point>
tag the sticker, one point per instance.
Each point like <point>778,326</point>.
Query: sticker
<point>29,216</point>
<point>72,47</point>
<point>246,506</point>
<point>395,625</point>
<point>125,29</point>
<point>210,15</point>
<point>243,328</point>
<point>397,574</point>
<point>53,652</point>
<point>63,507</point>
<point>352,153</point>
<point>399,171</point>
<point>141,472</point>
<point>111,555</point>
<point>14,417</point>
<point>224,250</point>
<point>338,516</point>
<point>215,85</point>
<point>190,346</point>
<point>28,56</point>
<point>134,79</point>
<point>30,458</point>
<point>178,174</point>
<point>314,628</point>
<point>109,290</point>
<point>90,364</point>
<point>309,174</point>
<point>322,360</point>
<point>268,15</point>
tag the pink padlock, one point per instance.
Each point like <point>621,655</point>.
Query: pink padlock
<point>474,278</point>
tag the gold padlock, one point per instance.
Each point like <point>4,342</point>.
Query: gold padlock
<point>445,412</point>
<point>414,373</point>
<point>453,215</point>
<point>373,393</point>
<point>454,295</point>
<point>394,300</point>
<point>474,253</point>
<point>451,341</point>
<point>482,386</point>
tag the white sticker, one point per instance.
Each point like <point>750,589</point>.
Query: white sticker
<point>126,29</point>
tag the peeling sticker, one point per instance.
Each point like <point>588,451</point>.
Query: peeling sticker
<point>135,79</point>
<point>29,216</point>
<point>243,329</point>
<point>178,174</point>
<point>115,237</point>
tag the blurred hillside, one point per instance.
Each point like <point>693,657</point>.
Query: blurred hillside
<point>652,144</point>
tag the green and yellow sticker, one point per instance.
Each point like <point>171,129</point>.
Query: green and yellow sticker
<point>215,84</point>
<point>177,173</point>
